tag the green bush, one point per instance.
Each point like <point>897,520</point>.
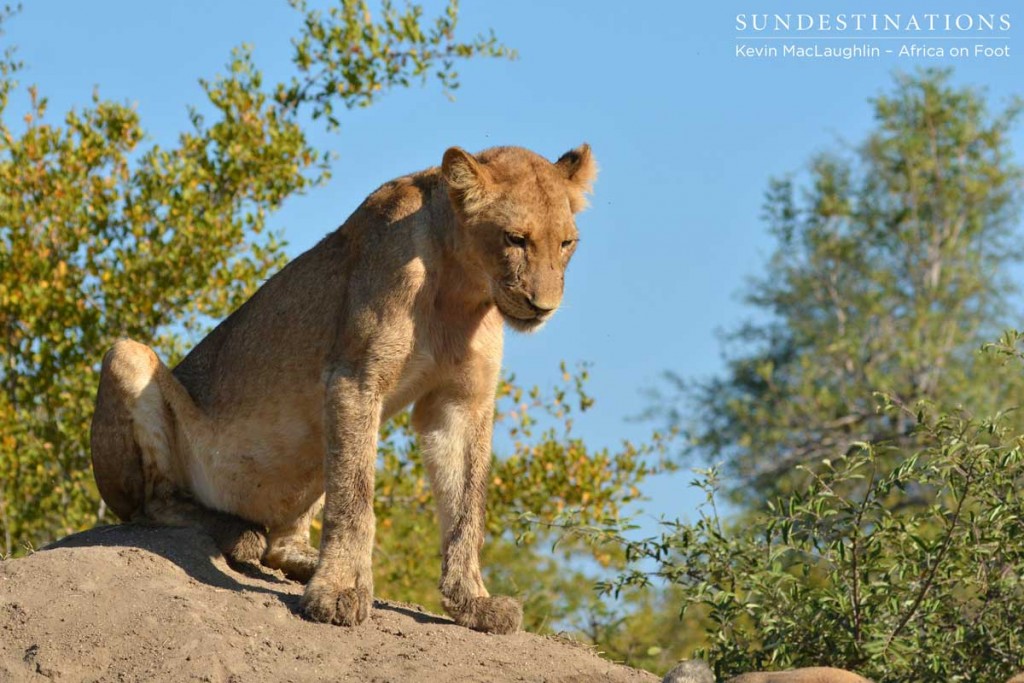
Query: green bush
<point>841,574</point>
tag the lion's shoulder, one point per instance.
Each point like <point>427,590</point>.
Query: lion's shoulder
<point>400,198</point>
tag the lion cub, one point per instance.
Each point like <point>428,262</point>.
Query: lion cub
<point>278,408</point>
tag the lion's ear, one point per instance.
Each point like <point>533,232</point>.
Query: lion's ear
<point>580,171</point>
<point>467,179</point>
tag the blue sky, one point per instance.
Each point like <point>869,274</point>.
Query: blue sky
<point>686,134</point>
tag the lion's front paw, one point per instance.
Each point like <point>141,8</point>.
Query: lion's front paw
<point>343,606</point>
<point>488,614</point>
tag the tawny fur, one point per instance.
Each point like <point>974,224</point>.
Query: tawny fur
<point>282,402</point>
<point>814,674</point>
<point>1019,678</point>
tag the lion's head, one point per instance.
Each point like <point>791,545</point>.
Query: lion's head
<point>515,210</point>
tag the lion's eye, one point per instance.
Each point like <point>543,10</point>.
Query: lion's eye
<point>568,243</point>
<point>515,240</point>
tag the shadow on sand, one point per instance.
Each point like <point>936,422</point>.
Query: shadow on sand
<point>414,612</point>
<point>196,554</point>
<point>190,549</point>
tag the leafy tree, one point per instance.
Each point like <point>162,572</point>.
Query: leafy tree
<point>640,625</point>
<point>834,575</point>
<point>103,235</point>
<point>890,270</point>
<point>875,455</point>
<point>882,535</point>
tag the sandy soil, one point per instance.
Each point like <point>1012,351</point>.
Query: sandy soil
<point>128,603</point>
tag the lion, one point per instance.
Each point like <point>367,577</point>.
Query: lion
<point>278,409</point>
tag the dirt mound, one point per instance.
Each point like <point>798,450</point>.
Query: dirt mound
<point>129,603</point>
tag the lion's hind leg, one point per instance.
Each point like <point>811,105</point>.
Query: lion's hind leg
<point>126,381</point>
<point>142,411</point>
<point>289,549</point>
<point>240,541</point>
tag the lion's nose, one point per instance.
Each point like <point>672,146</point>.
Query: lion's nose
<point>542,307</point>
